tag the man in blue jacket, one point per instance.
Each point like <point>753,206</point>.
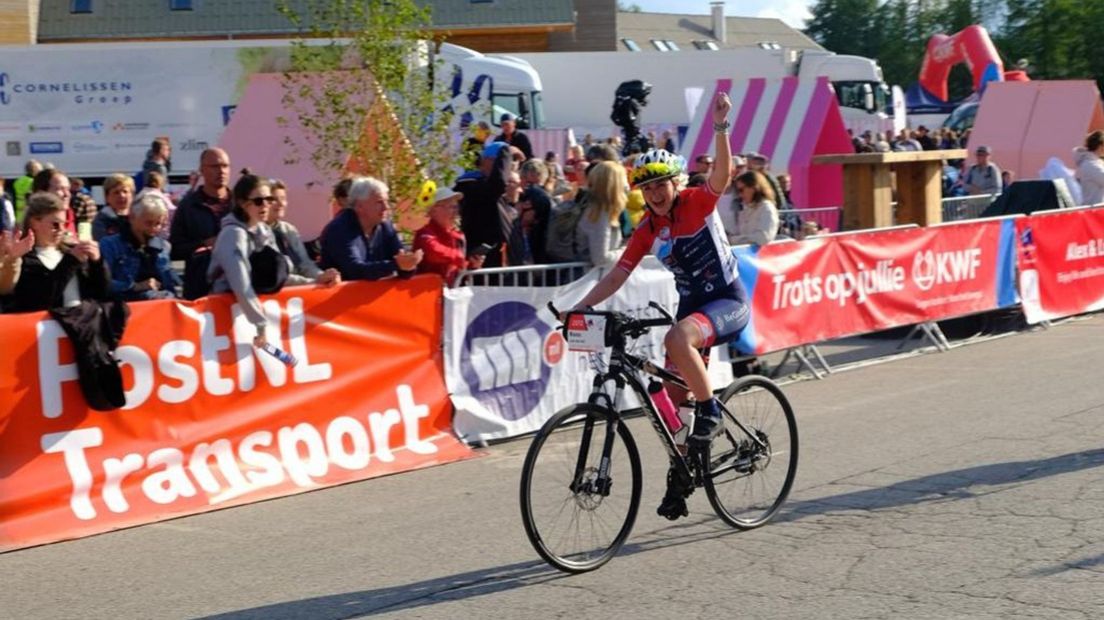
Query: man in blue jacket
<point>360,242</point>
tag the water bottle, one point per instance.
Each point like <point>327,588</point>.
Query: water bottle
<point>666,408</point>
<point>279,354</point>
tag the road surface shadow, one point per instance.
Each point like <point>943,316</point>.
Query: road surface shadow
<point>463,586</point>
<point>954,485</point>
<point>1094,564</point>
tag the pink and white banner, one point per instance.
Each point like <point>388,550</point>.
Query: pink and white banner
<point>788,120</point>
<point>1061,261</point>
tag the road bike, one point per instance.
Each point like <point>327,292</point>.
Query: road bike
<point>581,482</point>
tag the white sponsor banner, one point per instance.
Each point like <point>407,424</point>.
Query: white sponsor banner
<point>507,366</point>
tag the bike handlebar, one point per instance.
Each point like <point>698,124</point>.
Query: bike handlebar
<point>621,324</point>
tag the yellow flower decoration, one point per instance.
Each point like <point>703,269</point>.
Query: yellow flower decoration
<point>425,194</point>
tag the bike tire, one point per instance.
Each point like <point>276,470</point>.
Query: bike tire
<point>747,485</point>
<point>577,515</point>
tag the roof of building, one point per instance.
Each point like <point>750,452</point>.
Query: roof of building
<point>684,30</point>
<point>154,19</point>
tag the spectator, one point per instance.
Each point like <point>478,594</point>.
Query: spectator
<point>575,158</point>
<point>552,163</point>
<point>758,221</point>
<point>758,162</point>
<point>13,246</point>
<point>56,274</point>
<point>21,187</point>
<point>156,186</point>
<point>55,182</point>
<point>697,179</point>
<point>480,217</point>
<point>291,243</point>
<point>668,142</point>
<point>474,144</point>
<point>598,227</point>
<point>906,143</point>
<point>519,247</point>
<point>926,142</point>
<point>245,259</point>
<point>984,177</point>
<point>360,242</point>
<point>442,244</point>
<point>1090,168</point>
<point>83,205</point>
<point>136,256</point>
<point>534,174</point>
<point>7,211</point>
<point>602,152</point>
<point>1007,176</point>
<point>118,194</point>
<point>510,135</point>
<point>158,159</point>
<point>197,221</point>
<point>507,205</point>
<point>703,164</point>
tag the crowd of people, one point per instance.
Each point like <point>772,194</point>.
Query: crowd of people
<point>510,209</point>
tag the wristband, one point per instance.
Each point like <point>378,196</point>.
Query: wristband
<point>721,127</point>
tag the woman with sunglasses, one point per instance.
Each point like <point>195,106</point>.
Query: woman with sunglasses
<point>685,233</point>
<point>55,273</point>
<point>243,234</point>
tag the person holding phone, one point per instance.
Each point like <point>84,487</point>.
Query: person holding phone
<point>55,273</point>
<point>361,243</point>
<point>442,243</point>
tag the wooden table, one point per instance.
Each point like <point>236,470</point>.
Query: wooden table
<point>868,187</point>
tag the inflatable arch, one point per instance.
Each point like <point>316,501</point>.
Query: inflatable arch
<point>971,45</point>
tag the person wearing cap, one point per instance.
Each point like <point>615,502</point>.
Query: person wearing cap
<point>480,217</point>
<point>510,135</point>
<point>683,231</point>
<point>927,142</point>
<point>984,177</point>
<point>444,250</point>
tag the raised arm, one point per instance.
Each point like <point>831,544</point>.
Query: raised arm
<point>722,160</point>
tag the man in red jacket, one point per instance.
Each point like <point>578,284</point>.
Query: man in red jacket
<point>444,250</point>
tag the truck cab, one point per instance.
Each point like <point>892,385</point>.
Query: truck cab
<point>857,81</point>
<point>509,84</point>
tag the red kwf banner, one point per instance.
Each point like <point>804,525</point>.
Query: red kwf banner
<point>1061,260</point>
<point>835,286</point>
<point>211,421</point>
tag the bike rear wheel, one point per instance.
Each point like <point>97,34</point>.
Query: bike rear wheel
<point>573,518</point>
<point>748,482</point>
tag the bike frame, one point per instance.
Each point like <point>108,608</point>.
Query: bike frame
<point>623,371</point>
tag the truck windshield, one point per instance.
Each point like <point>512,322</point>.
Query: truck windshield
<point>505,102</point>
<point>854,95</point>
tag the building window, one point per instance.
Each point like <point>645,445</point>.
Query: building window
<point>769,45</point>
<point>631,45</point>
<point>660,45</point>
<point>81,6</point>
<point>181,5</point>
<point>481,1</point>
<point>705,45</point>
<point>671,45</point>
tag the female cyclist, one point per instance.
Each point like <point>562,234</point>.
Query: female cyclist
<point>683,230</point>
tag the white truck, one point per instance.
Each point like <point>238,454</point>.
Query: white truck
<point>93,109</point>
<point>579,86</point>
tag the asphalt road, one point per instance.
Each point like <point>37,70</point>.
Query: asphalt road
<point>964,484</point>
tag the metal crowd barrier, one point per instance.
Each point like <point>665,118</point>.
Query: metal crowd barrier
<point>829,218</point>
<point>556,274</point>
<point>966,207</point>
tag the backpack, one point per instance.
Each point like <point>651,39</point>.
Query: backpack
<point>562,243</point>
<point>196,284</point>
<point>268,270</point>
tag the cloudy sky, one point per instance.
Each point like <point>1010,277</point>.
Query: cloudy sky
<point>793,12</point>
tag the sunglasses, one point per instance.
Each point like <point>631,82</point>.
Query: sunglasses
<point>261,200</point>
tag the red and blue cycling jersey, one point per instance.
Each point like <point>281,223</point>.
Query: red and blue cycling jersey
<point>690,242</point>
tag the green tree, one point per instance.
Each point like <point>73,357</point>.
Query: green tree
<point>360,69</point>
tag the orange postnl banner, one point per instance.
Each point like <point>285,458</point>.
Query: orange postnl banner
<point>211,421</point>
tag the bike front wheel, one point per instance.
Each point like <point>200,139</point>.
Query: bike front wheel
<point>580,488</point>
<point>752,467</point>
